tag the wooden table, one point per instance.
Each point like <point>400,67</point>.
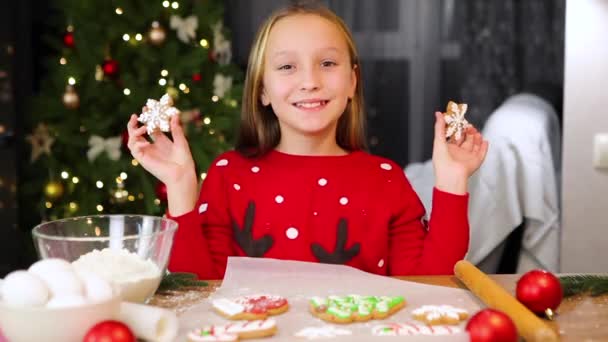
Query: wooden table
<point>579,318</point>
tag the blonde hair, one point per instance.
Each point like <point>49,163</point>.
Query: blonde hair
<point>259,128</point>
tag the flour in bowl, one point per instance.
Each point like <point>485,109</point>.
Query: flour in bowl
<point>137,278</point>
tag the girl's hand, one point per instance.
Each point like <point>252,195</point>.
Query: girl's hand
<point>167,160</point>
<point>455,161</point>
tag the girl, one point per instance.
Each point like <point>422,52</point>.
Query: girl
<point>299,185</point>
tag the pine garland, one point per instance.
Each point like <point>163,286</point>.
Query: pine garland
<point>179,280</point>
<point>594,285</point>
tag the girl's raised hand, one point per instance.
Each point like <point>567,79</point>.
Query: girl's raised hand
<point>168,160</point>
<point>455,161</point>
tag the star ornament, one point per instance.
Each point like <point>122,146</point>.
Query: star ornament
<point>454,119</point>
<point>156,115</point>
<point>41,141</point>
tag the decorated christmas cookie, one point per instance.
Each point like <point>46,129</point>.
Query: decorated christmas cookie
<point>328,331</point>
<point>409,329</point>
<point>454,118</point>
<point>157,114</point>
<point>354,308</point>
<point>440,314</point>
<point>234,331</point>
<point>251,307</point>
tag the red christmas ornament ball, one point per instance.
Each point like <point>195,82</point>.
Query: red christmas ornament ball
<point>197,77</point>
<point>68,39</point>
<point>539,290</point>
<point>491,325</point>
<point>211,56</point>
<point>125,138</point>
<point>110,67</point>
<point>109,331</point>
<point>161,191</point>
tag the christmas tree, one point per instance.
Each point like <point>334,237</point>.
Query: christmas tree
<point>111,57</point>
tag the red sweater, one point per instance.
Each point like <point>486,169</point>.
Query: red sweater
<point>357,209</point>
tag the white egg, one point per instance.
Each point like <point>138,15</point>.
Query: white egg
<point>66,301</point>
<point>62,283</point>
<point>96,288</point>
<point>21,288</point>
<point>46,266</point>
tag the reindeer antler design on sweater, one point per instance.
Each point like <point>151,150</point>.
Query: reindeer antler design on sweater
<point>340,255</point>
<point>244,236</point>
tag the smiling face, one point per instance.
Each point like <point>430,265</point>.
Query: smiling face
<point>308,75</point>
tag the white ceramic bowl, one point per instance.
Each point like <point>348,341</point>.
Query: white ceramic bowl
<point>69,324</point>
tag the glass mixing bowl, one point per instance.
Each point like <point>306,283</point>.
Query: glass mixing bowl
<point>130,251</point>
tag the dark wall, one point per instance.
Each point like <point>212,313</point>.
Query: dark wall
<point>22,24</point>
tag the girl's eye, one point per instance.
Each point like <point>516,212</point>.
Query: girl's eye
<point>328,63</point>
<point>286,67</point>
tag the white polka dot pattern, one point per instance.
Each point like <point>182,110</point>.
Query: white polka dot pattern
<point>222,162</point>
<point>279,199</point>
<point>292,233</point>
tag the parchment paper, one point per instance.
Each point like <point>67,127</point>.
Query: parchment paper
<point>298,281</point>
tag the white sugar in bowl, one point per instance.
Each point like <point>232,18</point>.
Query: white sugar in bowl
<point>63,324</point>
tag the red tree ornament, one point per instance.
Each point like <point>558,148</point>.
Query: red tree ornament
<point>491,325</point>
<point>211,56</point>
<point>540,291</point>
<point>106,331</point>
<point>125,139</point>
<point>161,191</point>
<point>110,67</point>
<point>197,77</point>
<point>68,39</point>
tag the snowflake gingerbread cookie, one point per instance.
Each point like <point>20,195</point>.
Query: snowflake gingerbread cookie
<point>254,307</point>
<point>234,331</point>
<point>440,314</point>
<point>454,119</point>
<point>156,115</point>
<point>354,308</point>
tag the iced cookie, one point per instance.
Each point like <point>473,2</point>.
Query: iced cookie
<point>251,307</point>
<point>354,308</point>
<point>454,119</point>
<point>328,331</point>
<point>234,331</point>
<point>156,115</point>
<point>440,314</point>
<point>409,329</point>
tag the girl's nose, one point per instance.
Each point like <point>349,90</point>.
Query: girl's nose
<point>310,79</point>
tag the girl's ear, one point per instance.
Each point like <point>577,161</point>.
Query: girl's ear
<point>264,98</point>
<point>353,81</point>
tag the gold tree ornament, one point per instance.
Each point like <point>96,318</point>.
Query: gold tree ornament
<point>173,93</point>
<point>157,34</point>
<point>454,119</point>
<point>156,115</point>
<point>71,100</point>
<point>53,190</point>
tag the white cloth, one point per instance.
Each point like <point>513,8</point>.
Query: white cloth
<point>518,179</point>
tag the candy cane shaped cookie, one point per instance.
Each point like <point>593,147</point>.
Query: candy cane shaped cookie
<point>235,331</point>
<point>410,329</point>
